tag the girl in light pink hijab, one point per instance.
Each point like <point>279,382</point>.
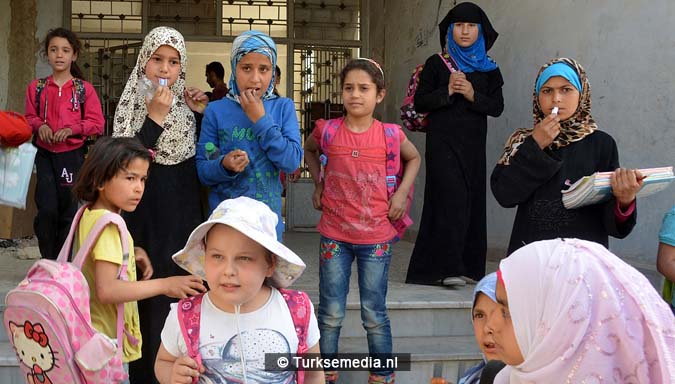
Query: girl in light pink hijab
<point>572,312</point>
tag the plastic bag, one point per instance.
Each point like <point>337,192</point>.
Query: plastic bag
<point>16,168</point>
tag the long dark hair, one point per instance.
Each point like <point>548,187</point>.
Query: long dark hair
<point>74,42</point>
<point>107,157</point>
<point>367,66</point>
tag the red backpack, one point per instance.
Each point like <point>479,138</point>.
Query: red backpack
<point>394,166</point>
<point>412,119</point>
<point>189,315</point>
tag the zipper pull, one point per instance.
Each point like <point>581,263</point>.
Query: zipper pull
<point>59,91</point>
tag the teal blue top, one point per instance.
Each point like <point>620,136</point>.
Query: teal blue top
<point>667,235</point>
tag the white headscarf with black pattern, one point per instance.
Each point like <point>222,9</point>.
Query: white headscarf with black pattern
<point>177,143</point>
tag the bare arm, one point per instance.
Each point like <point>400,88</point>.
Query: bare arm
<point>111,290</point>
<point>314,377</point>
<point>173,370</point>
<point>411,162</point>
<point>312,153</point>
<point>665,261</point>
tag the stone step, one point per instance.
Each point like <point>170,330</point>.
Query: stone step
<point>446,357</point>
<point>413,311</point>
<point>9,366</point>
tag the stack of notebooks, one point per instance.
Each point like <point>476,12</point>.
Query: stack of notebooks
<point>596,188</point>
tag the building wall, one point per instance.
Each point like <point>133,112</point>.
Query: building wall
<point>5,19</point>
<point>627,49</point>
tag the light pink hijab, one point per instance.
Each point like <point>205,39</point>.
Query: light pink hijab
<point>582,315</point>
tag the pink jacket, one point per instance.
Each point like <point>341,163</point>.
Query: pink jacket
<point>63,111</point>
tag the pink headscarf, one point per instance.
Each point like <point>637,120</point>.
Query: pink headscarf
<point>581,314</point>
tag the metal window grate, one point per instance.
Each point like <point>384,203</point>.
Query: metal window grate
<point>114,16</point>
<point>316,79</point>
<point>264,15</point>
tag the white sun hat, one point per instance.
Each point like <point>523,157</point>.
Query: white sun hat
<point>255,220</point>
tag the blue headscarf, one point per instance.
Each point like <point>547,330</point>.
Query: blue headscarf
<point>559,69</point>
<point>245,43</point>
<point>487,286</point>
<point>473,58</point>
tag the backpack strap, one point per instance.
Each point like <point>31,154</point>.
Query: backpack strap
<point>449,62</point>
<point>394,169</point>
<point>39,87</point>
<point>301,312</point>
<point>393,155</point>
<point>330,128</point>
<point>85,250</point>
<point>79,96</point>
<point>189,315</point>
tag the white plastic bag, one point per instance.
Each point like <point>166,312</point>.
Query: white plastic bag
<point>16,167</point>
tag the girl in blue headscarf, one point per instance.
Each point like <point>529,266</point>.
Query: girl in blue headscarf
<point>452,239</point>
<point>563,146</point>
<point>255,132</point>
<point>484,303</point>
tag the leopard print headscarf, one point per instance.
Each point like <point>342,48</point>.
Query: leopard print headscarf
<point>177,143</point>
<point>580,125</point>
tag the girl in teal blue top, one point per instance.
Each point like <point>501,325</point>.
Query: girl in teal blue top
<point>256,132</point>
<point>665,261</point>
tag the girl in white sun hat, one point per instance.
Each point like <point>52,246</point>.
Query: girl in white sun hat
<point>225,333</point>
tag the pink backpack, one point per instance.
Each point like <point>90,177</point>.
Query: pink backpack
<point>189,315</point>
<point>412,119</point>
<point>48,320</point>
<point>393,166</point>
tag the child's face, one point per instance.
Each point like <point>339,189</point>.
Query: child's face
<point>254,73</point>
<point>124,191</point>
<point>165,64</point>
<point>236,268</point>
<point>465,34</point>
<point>558,92</point>
<point>482,310</point>
<point>506,345</point>
<point>359,93</point>
<point>60,54</point>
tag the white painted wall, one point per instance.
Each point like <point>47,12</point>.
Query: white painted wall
<point>627,48</point>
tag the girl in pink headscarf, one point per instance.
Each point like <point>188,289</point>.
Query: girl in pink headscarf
<point>573,312</point>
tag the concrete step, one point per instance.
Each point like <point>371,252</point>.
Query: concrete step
<point>414,310</point>
<point>431,356</point>
<point>9,366</point>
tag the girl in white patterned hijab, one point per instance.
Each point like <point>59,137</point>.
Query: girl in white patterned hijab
<point>177,142</point>
<point>572,312</point>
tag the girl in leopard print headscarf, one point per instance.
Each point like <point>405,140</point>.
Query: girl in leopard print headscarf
<point>166,121</point>
<point>563,146</point>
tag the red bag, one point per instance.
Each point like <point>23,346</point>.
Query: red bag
<point>14,129</point>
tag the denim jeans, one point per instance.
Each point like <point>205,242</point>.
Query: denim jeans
<point>335,268</point>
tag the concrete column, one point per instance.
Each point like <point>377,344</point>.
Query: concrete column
<point>21,47</point>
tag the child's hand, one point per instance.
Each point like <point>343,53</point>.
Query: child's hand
<point>61,135</point>
<point>316,197</point>
<point>184,369</point>
<point>195,99</point>
<point>625,185</point>
<point>461,85</point>
<point>143,263</point>
<point>235,161</point>
<point>45,133</point>
<point>454,76</point>
<point>160,104</point>
<point>180,287</point>
<point>546,131</point>
<point>397,204</point>
<point>252,104</point>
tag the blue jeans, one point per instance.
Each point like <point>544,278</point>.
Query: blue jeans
<point>335,268</point>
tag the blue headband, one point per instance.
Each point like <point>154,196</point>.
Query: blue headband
<point>488,286</point>
<point>559,69</point>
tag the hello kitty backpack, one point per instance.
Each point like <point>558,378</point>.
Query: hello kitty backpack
<point>48,321</point>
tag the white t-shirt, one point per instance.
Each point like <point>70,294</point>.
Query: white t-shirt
<point>269,329</point>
